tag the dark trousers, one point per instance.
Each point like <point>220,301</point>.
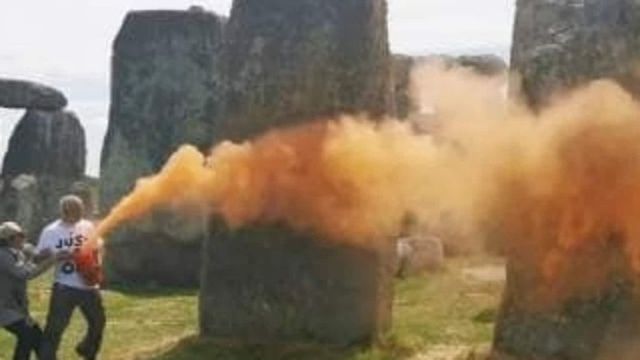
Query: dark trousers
<point>29,337</point>
<point>64,300</point>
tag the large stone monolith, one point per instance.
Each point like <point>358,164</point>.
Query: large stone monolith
<point>559,45</point>
<point>293,61</point>
<point>268,284</point>
<point>45,160</point>
<point>288,62</point>
<point>165,89</point>
<point>47,143</point>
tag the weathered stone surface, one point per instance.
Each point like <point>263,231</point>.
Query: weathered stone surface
<point>290,61</point>
<point>154,257</point>
<point>583,326</point>
<point>45,160</point>
<point>165,90</point>
<point>20,202</point>
<point>33,201</point>
<point>559,45</point>
<point>87,190</point>
<point>419,254</point>
<point>46,155</point>
<point>29,95</point>
<point>46,143</point>
<point>403,105</point>
<point>269,285</point>
<point>564,43</point>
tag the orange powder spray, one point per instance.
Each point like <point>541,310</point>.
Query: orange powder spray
<point>346,180</point>
<point>561,187</point>
<point>569,202</point>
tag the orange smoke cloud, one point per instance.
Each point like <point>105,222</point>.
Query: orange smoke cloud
<point>346,180</point>
<point>570,202</point>
<point>560,189</point>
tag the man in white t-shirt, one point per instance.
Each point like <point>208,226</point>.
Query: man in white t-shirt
<point>70,289</point>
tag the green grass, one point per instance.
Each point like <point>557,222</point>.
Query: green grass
<point>445,310</point>
<point>136,320</point>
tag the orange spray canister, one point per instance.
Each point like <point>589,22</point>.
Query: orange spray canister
<point>88,263</point>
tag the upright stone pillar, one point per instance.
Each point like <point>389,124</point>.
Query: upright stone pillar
<point>561,44</point>
<point>268,284</point>
<point>45,158</point>
<point>293,61</point>
<point>557,46</point>
<point>165,89</point>
<point>289,62</point>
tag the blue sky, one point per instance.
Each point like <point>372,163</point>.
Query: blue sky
<point>67,44</point>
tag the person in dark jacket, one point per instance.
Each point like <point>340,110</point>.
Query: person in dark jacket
<point>17,266</point>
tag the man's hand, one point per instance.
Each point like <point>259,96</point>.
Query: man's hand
<point>44,254</point>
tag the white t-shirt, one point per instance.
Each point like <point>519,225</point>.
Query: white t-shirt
<point>59,236</point>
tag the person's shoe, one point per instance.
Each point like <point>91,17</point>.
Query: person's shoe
<point>82,351</point>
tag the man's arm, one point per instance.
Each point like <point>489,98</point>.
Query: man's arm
<point>43,249</point>
<point>41,267</point>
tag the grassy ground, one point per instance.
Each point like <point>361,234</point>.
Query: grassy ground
<point>137,320</point>
<point>440,316</point>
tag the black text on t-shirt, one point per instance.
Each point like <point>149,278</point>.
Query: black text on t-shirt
<point>74,241</point>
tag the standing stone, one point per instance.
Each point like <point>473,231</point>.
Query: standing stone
<point>165,92</point>
<point>20,201</point>
<point>561,44</point>
<point>266,285</point>
<point>87,190</point>
<point>418,254</point>
<point>29,95</point>
<point>291,61</point>
<point>47,143</point>
<point>567,318</point>
<point>45,159</point>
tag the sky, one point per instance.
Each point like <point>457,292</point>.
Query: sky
<point>67,44</point>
